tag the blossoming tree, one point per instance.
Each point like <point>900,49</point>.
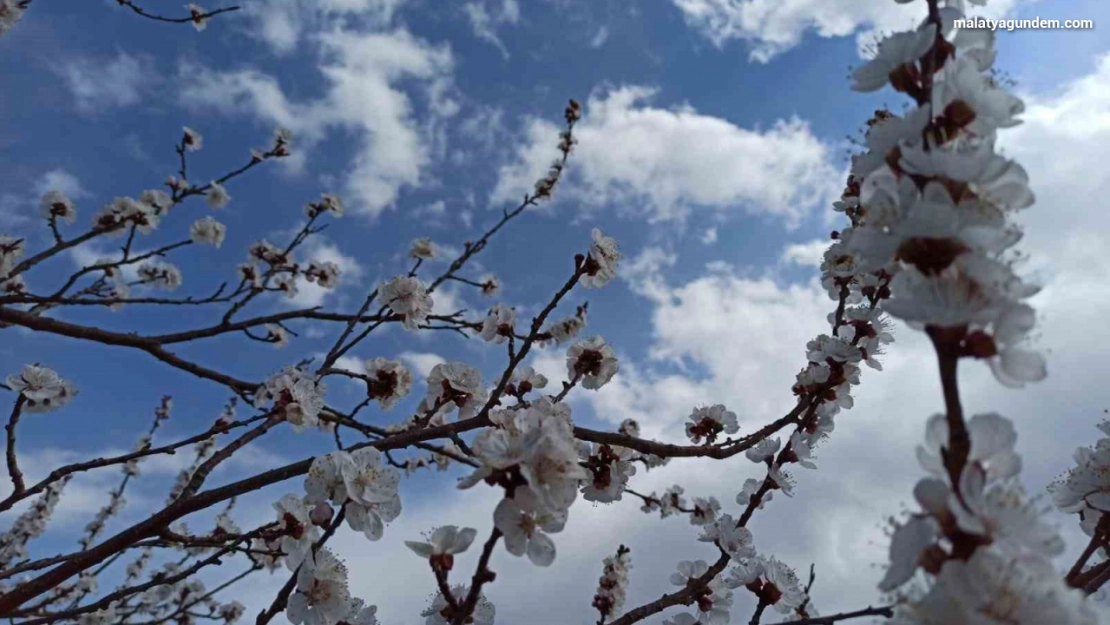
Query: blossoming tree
<point>929,240</point>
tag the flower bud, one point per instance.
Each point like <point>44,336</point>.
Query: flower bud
<point>321,514</point>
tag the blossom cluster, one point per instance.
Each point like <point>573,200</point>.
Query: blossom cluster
<point>295,394</point>
<point>532,452</point>
<point>1085,489</point>
<point>358,482</point>
<point>932,201</point>
<point>612,588</point>
<point>30,525</point>
<point>144,214</point>
<point>931,204</point>
<point>323,596</point>
<point>981,544</point>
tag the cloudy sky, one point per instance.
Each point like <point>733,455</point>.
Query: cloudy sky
<point>714,138</point>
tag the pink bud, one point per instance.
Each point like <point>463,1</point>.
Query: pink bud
<point>321,514</point>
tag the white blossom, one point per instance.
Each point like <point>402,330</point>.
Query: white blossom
<point>1088,482</point>
<point>992,589</point>
<point>962,83</point>
<point>407,297</point>
<point>539,440</point>
<point>670,502</point>
<point>736,541</point>
<point>499,324</point>
<point>103,616</point>
<point>231,612</point>
<point>250,274</point>
<point>358,613</point>
<point>326,273</point>
<point>270,254</point>
<point>11,11</point>
<point>55,205</point>
<point>207,231</point>
<point>42,389</point>
<point>491,285</point>
<point>592,361</point>
<point>893,54</point>
<point>389,381</point>
<point>298,533</point>
<point>708,422</point>
<point>601,264</point>
<point>160,275</point>
<point>1002,513</point>
<point>992,445</point>
<point>801,445</point>
<point>324,480</point>
<point>372,490</point>
<point>124,210</point>
<point>526,525</point>
<point>446,540</point>
<point>276,334</point>
<point>217,196</point>
<point>322,595</point>
<point>11,249</point>
<point>198,15</point>
<point>611,467</point>
<point>781,480</point>
<point>439,611</point>
<point>423,248</point>
<point>525,379</point>
<point>569,328</point>
<point>907,544</point>
<point>712,608</point>
<point>295,394</point>
<point>456,384</point>
<point>192,140</point>
<point>764,450</point>
<point>706,511</point>
<point>328,204</point>
<point>287,286</point>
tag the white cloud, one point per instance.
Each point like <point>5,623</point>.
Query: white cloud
<point>643,272</point>
<point>99,84</point>
<point>484,21</point>
<point>485,127</point>
<point>663,163</point>
<point>809,254</point>
<point>447,300</point>
<point>283,23</point>
<point>393,146</point>
<point>600,37</point>
<point>347,363</point>
<point>421,363</point>
<point>775,26</point>
<point>1062,137</point>
<point>709,237</point>
<point>61,180</point>
<point>432,214</point>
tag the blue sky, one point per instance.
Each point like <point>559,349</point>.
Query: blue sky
<point>714,139</point>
